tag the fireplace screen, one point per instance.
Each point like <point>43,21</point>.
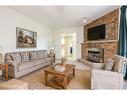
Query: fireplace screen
<point>95,56</point>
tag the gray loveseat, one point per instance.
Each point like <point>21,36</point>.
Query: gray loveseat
<point>21,63</point>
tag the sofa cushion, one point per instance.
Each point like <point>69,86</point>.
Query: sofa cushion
<point>39,61</point>
<point>109,65</point>
<point>118,63</point>
<point>39,54</point>
<point>48,59</point>
<point>25,56</point>
<point>45,53</point>
<point>33,55</point>
<point>25,65</point>
<point>16,57</point>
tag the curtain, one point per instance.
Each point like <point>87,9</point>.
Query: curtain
<point>122,50</point>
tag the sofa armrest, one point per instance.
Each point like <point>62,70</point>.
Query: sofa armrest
<point>51,55</point>
<point>101,79</point>
<point>12,68</point>
<point>12,63</point>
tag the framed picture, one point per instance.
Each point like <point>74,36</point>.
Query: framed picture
<point>25,38</point>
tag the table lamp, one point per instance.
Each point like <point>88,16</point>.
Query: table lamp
<point>51,50</point>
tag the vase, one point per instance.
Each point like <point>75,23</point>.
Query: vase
<point>63,64</point>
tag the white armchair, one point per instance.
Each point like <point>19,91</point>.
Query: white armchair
<point>101,79</point>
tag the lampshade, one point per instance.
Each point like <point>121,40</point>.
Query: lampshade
<point>84,20</point>
<point>51,48</point>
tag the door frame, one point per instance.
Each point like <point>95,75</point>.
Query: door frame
<point>74,44</point>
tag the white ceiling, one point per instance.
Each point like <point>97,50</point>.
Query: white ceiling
<point>57,17</point>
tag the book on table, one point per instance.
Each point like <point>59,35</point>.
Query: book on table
<point>59,68</point>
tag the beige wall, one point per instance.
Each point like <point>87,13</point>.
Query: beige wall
<point>79,39</point>
<point>10,19</point>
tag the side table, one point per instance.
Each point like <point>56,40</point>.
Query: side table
<point>5,67</point>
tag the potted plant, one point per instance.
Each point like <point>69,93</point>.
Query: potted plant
<point>63,60</point>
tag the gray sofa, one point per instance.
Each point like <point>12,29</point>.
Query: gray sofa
<point>21,63</point>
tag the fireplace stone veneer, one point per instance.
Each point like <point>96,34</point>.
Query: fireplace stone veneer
<point>110,44</point>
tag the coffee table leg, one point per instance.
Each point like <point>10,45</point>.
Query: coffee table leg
<point>46,77</point>
<point>74,72</point>
<point>65,82</point>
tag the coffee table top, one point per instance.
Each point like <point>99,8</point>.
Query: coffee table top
<point>66,72</point>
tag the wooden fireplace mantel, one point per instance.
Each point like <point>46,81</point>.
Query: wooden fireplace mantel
<point>100,41</point>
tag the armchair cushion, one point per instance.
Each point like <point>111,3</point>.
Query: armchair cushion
<point>97,65</point>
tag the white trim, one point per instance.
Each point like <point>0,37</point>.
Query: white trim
<point>103,41</point>
<point>93,49</point>
<point>119,23</point>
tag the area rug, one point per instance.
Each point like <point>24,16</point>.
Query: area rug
<point>36,80</point>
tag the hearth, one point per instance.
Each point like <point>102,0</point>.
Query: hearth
<point>96,55</point>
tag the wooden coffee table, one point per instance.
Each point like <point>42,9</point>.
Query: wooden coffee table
<point>59,79</point>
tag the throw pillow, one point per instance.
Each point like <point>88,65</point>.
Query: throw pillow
<point>39,54</point>
<point>24,56</point>
<point>45,53</point>
<point>16,57</point>
<point>33,55</point>
<point>109,65</point>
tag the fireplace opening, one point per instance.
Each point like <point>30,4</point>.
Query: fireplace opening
<point>95,55</point>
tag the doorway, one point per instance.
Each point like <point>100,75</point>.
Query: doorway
<point>68,48</point>
<point>69,45</point>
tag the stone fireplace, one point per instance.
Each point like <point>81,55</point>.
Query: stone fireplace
<point>96,55</point>
<point>105,48</point>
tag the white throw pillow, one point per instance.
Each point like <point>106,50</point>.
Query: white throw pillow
<point>109,65</point>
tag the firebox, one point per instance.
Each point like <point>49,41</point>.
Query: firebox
<point>95,55</point>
